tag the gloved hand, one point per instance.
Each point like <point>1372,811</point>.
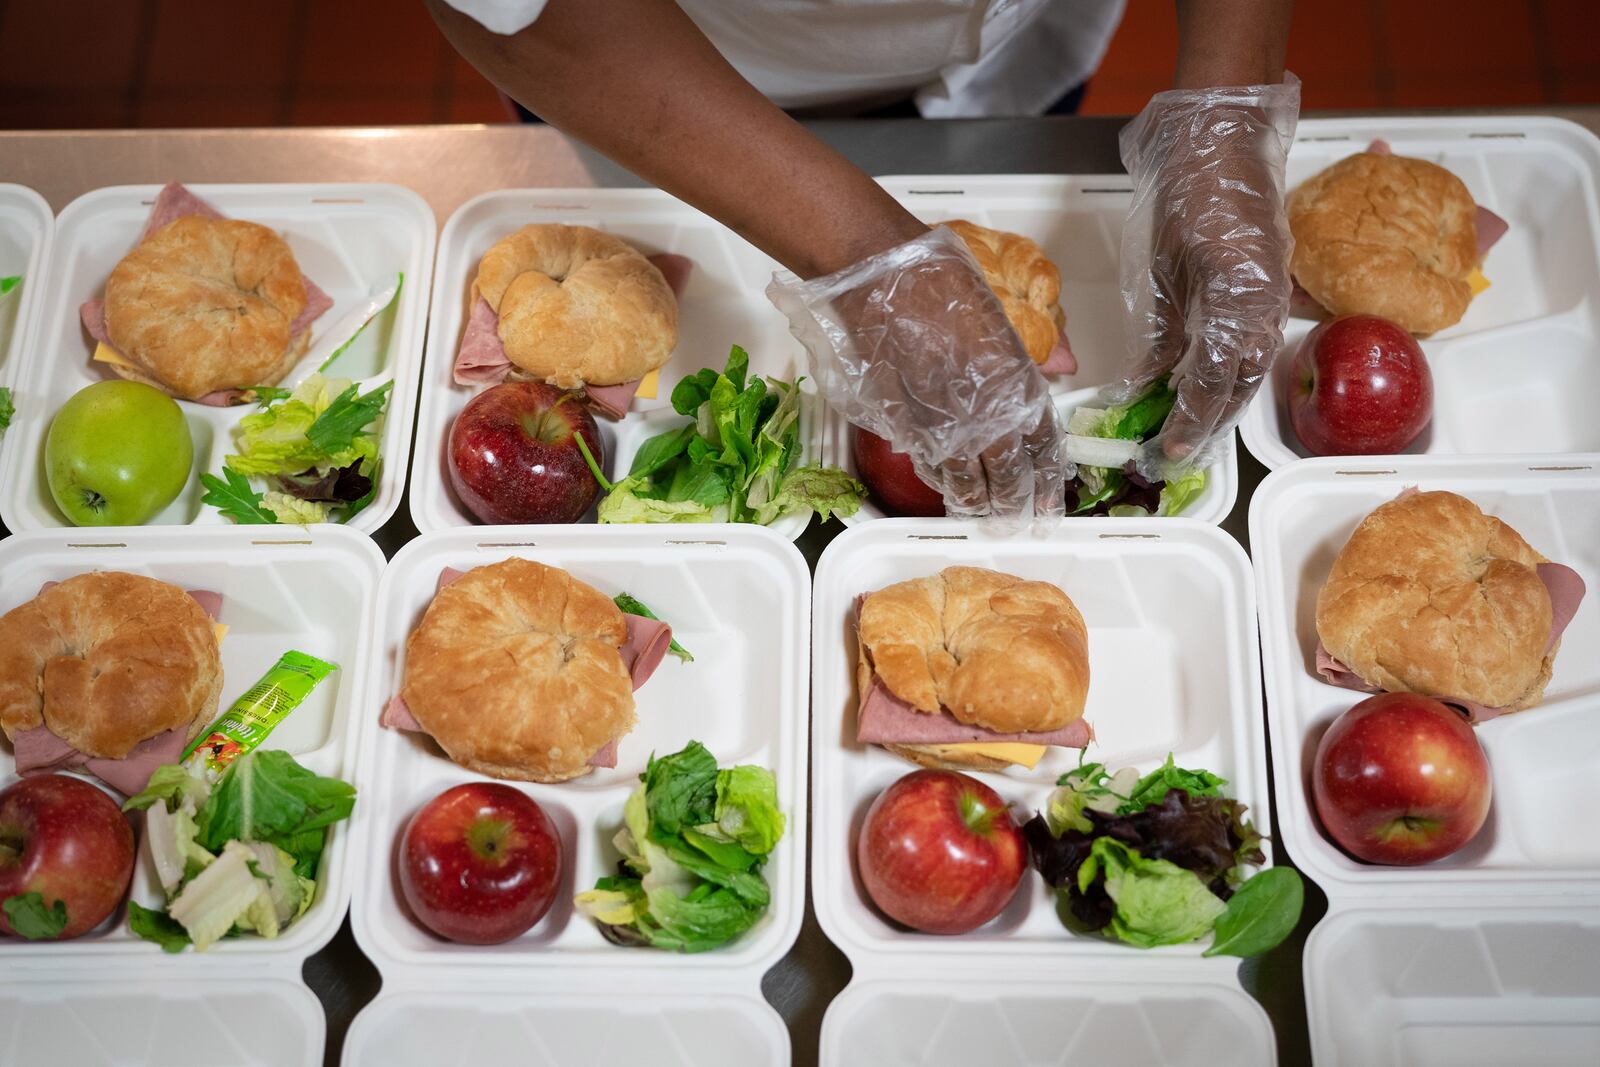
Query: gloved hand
<point>913,345</point>
<point>1205,258</point>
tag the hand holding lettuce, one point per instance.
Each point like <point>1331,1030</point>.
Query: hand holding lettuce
<point>693,843</point>
<point>1160,859</point>
<point>237,857</point>
<point>738,461</point>
<point>1104,443</point>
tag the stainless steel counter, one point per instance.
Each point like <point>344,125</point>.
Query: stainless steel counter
<point>447,166</point>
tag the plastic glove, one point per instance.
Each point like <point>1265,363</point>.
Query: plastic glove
<point>1205,258</point>
<point>913,345</point>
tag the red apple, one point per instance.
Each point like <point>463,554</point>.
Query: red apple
<point>891,477</point>
<point>480,863</point>
<point>64,839</point>
<point>940,852</point>
<point>514,454</point>
<point>1400,779</point>
<point>1360,386</point>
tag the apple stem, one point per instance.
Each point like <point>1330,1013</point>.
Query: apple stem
<point>489,838</point>
<point>978,816</point>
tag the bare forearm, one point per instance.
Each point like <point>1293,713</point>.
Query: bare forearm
<point>1231,42</point>
<point>637,81</point>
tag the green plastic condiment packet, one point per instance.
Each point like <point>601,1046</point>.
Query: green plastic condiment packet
<point>256,714</point>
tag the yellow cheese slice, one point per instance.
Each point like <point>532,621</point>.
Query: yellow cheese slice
<point>104,353</point>
<point>649,384</point>
<point>220,629</point>
<point>1010,751</point>
<point>1477,282</point>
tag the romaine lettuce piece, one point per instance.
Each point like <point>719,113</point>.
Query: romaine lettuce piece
<point>218,897</point>
<point>747,807</point>
<point>291,509</point>
<point>1157,902</point>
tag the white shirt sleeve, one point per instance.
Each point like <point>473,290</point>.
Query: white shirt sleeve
<point>501,16</point>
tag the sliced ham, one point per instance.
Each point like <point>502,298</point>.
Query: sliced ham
<point>607,756</point>
<point>93,314</point>
<point>173,203</point>
<point>1491,228</point>
<point>1060,360</point>
<point>224,398</point>
<point>481,359</point>
<point>1380,147</point>
<point>1566,589</point>
<point>1303,305</point>
<point>397,716</point>
<point>611,400</point>
<point>675,269</point>
<point>885,719</point>
<point>317,302</point>
<point>646,645</point>
<point>39,750</point>
<point>132,772</point>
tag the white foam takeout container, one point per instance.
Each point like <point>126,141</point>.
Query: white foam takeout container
<point>723,304</point>
<point>1078,221</point>
<point>350,239</point>
<point>109,997</point>
<point>27,227</point>
<point>1174,669</point>
<point>1491,955</point>
<point>1521,370</point>
<point>738,598</point>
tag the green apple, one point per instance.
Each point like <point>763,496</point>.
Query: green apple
<point>117,453</point>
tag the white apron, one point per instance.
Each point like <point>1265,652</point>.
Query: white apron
<point>956,58</point>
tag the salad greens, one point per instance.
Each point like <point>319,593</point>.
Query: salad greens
<point>7,409</point>
<point>8,283</point>
<point>240,857</point>
<point>317,448</point>
<point>1160,859</point>
<point>1104,441</point>
<point>632,605</point>
<point>693,841</point>
<point>28,917</point>
<point>736,462</point>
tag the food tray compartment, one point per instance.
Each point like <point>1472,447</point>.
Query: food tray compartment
<point>89,1022</point>
<point>911,1023</point>
<point>1516,374</point>
<point>1486,985</point>
<point>1173,667</point>
<point>1543,760</point>
<point>437,1028</point>
<point>739,600</point>
<point>315,593</point>
<point>350,239</point>
<point>109,997</point>
<point>1078,221</point>
<point>722,305</point>
<point>26,228</point>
